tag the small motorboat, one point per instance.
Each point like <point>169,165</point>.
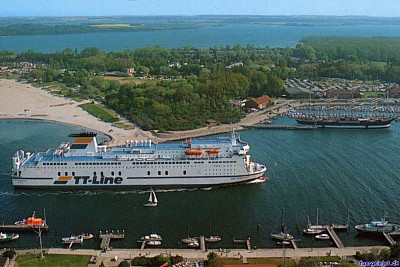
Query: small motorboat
<point>283,243</point>
<point>73,239</point>
<point>213,239</point>
<point>150,237</point>
<point>322,237</point>
<point>153,243</point>
<point>8,237</point>
<point>189,240</point>
<point>194,244</point>
<point>86,236</point>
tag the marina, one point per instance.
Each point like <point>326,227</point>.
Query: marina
<point>304,179</point>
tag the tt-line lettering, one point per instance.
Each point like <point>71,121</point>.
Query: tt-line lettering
<point>97,180</point>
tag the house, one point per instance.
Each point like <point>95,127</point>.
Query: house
<point>129,71</point>
<point>393,93</point>
<point>299,92</point>
<point>237,64</point>
<point>175,64</point>
<point>259,102</point>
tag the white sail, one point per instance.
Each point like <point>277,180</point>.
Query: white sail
<point>153,194</point>
<point>150,197</point>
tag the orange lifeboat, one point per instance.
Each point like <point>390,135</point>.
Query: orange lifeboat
<point>213,151</point>
<point>194,152</point>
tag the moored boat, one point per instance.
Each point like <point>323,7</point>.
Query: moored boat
<point>8,237</point>
<point>73,239</point>
<point>189,240</point>
<point>154,243</point>
<point>381,226</point>
<point>213,238</point>
<point>86,236</point>
<point>194,244</point>
<point>150,237</point>
<point>345,122</point>
<point>282,235</point>
<point>322,236</point>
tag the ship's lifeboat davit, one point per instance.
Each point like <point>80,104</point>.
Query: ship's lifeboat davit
<point>194,152</point>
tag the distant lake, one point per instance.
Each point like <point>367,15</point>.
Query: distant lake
<point>259,35</point>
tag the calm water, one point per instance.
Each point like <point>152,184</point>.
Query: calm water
<point>229,34</point>
<point>334,170</point>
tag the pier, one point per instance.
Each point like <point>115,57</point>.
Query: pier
<point>335,237</point>
<point>389,238</point>
<point>106,238</point>
<point>24,227</point>
<point>281,127</point>
<point>294,244</point>
<point>243,241</point>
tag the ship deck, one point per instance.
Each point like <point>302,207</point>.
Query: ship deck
<point>206,143</point>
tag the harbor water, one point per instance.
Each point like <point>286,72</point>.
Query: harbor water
<point>335,170</point>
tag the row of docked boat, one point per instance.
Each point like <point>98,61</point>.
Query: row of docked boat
<point>319,231</point>
<point>31,223</point>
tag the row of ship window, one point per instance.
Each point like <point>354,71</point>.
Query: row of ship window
<point>134,163</point>
<point>94,173</point>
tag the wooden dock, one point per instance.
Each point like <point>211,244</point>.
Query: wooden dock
<point>108,236</point>
<point>243,241</point>
<point>248,244</point>
<point>335,237</point>
<point>294,244</point>
<point>23,227</point>
<point>389,239</point>
<point>280,127</point>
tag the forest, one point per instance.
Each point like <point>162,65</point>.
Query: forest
<point>182,88</point>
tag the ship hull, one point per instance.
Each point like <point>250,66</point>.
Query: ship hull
<point>139,183</point>
<point>347,124</point>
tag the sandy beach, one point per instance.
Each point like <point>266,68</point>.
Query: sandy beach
<point>23,101</point>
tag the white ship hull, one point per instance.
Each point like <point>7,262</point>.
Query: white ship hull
<point>85,164</point>
<point>139,183</point>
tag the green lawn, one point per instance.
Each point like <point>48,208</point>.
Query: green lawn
<point>52,260</point>
<point>100,112</point>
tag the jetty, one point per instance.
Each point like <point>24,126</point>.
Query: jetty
<point>335,237</point>
<point>243,241</point>
<point>389,238</point>
<point>23,227</point>
<point>294,244</point>
<point>108,236</point>
<point>280,127</point>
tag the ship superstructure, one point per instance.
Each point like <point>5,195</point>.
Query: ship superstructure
<point>84,163</point>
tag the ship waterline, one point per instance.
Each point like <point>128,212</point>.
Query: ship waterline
<point>142,164</point>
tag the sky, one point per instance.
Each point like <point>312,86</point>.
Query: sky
<point>377,8</point>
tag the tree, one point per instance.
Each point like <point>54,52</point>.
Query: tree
<point>124,264</point>
<point>212,259</point>
<point>10,253</point>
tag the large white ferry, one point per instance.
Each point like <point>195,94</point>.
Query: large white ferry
<point>137,164</point>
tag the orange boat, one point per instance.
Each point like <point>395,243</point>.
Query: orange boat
<point>194,152</point>
<point>213,151</point>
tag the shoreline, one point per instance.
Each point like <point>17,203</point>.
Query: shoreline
<point>22,101</point>
<point>196,254</point>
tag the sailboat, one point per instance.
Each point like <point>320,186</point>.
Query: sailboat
<point>189,240</point>
<point>152,201</point>
<point>212,238</point>
<point>313,229</point>
<point>282,236</point>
